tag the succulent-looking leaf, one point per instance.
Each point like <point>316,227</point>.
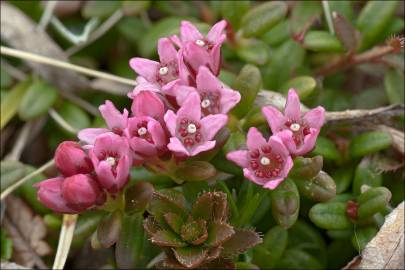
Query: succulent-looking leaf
<point>330,216</point>
<point>241,241</point>
<point>285,203</point>
<point>306,168</point>
<point>218,233</point>
<point>190,256</point>
<point>203,207</point>
<point>373,201</point>
<point>194,232</point>
<point>137,197</point>
<point>109,228</point>
<point>320,189</point>
<point>196,171</point>
<point>174,221</point>
<point>150,225</point>
<point>168,202</point>
<point>213,253</point>
<point>167,238</point>
<point>369,142</point>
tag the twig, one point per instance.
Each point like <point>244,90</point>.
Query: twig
<point>21,142</point>
<point>347,61</point>
<point>398,141</point>
<point>17,184</point>
<point>62,122</point>
<point>47,15</point>
<point>155,260</point>
<point>75,39</point>
<point>14,72</point>
<point>80,102</point>
<point>107,25</point>
<point>57,63</point>
<point>326,11</point>
<point>65,240</point>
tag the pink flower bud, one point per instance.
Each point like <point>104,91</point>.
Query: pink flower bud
<point>147,103</point>
<point>50,194</point>
<point>70,159</point>
<point>264,163</point>
<point>81,191</point>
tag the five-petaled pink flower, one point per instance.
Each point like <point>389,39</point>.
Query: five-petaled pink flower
<point>197,50</point>
<point>159,73</point>
<point>112,161</point>
<point>115,120</point>
<point>297,131</point>
<point>215,98</point>
<point>146,136</point>
<point>265,163</point>
<point>192,135</point>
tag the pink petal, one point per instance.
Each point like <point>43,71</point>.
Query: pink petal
<point>278,146</point>
<point>123,168</point>
<point>202,148</point>
<point>105,176</point>
<point>249,175</point>
<point>254,139</point>
<point>206,81</point>
<point>171,122</point>
<point>169,88</point>
<point>292,107</point>
<point>229,99</point>
<point>272,184</point>
<point>176,146</point>
<point>309,142</point>
<point>287,167</point>
<point>113,117</point>
<point>211,124</point>
<point>142,146</point>
<point>188,32</point>
<point>148,103</point>
<point>167,52</point>
<point>274,118</point>
<point>157,133</point>
<point>315,117</point>
<point>181,93</point>
<point>287,137</point>
<point>240,157</point>
<point>145,68</point>
<point>215,59</point>
<point>216,31</point>
<point>89,135</point>
<point>191,108</point>
<point>144,86</point>
<point>176,40</point>
<point>195,56</point>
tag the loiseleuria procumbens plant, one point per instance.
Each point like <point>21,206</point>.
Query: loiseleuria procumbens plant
<point>177,125</point>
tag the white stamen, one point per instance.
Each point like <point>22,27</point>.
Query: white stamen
<point>163,70</point>
<point>295,127</point>
<point>142,131</point>
<point>265,161</point>
<point>110,160</point>
<point>200,42</point>
<point>191,128</point>
<point>205,103</point>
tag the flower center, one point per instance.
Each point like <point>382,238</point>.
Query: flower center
<point>189,132</point>
<point>191,128</point>
<point>295,127</point>
<point>111,161</point>
<point>163,70</point>
<point>205,103</point>
<point>200,42</point>
<point>142,131</point>
<point>265,163</point>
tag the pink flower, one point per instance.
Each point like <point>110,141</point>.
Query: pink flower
<point>192,135</point>
<point>115,120</point>
<point>159,73</point>
<point>197,50</point>
<point>265,163</point>
<point>215,98</point>
<point>146,136</point>
<point>297,131</point>
<point>112,160</point>
<point>70,159</point>
<point>50,194</point>
<point>148,103</point>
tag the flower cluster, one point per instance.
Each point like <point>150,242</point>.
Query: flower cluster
<point>267,163</point>
<point>178,107</point>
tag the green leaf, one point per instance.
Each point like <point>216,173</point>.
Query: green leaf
<point>366,174</point>
<point>306,168</point>
<point>195,171</point>
<point>362,236</point>
<point>249,208</point>
<point>194,232</point>
<point>261,257</point>
<point>246,266</point>
<point>262,18</point>
<point>190,257</point>
<point>320,189</point>
<point>340,234</point>
<point>248,83</point>
<point>369,143</point>
<point>232,11</point>
<point>210,206</point>
<point>372,201</point>
<point>132,8</point>
<point>298,259</point>
<point>6,246</point>
<point>109,229</point>
<point>218,233</point>
<point>304,85</point>
<point>11,102</point>
<point>100,9</point>
<point>346,253</point>
<point>254,52</point>
<point>11,172</point>
<point>274,244</point>
<point>303,15</point>
<point>373,19</point>
<point>330,216</point>
<point>285,203</point>
<point>343,178</point>
<point>394,85</point>
<point>39,97</point>
<point>74,115</point>
<point>167,201</point>
<point>278,34</point>
<point>191,190</point>
<point>346,32</point>
<point>131,28</point>
<point>167,238</point>
<point>326,148</point>
<point>241,241</point>
<point>137,197</point>
<point>5,78</point>
<point>322,41</point>
<point>129,248</point>
<point>174,221</point>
